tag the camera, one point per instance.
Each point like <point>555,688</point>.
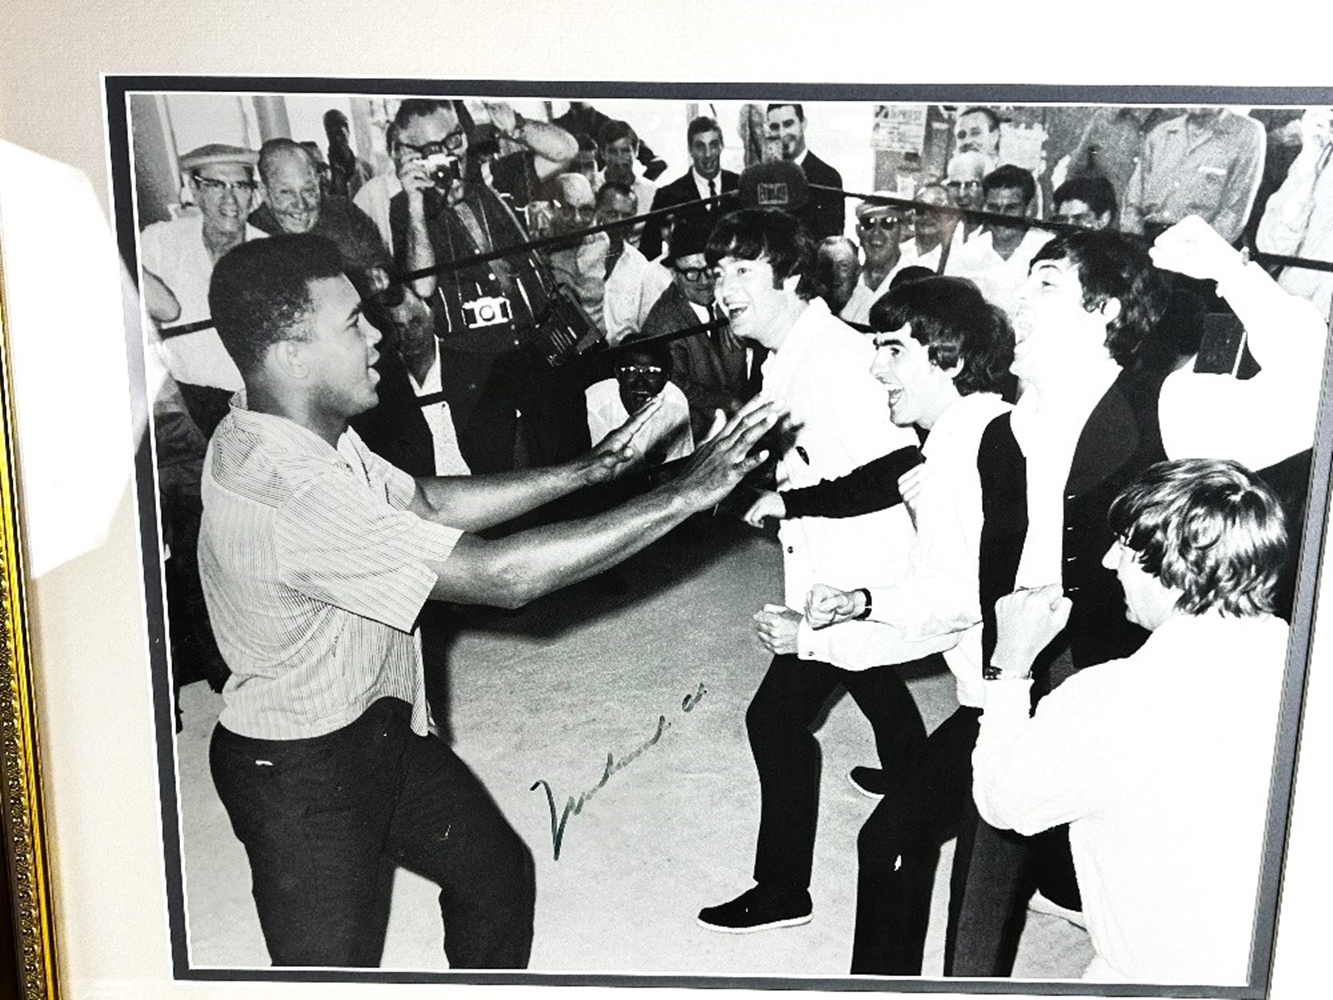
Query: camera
<point>488,310</point>
<point>444,168</point>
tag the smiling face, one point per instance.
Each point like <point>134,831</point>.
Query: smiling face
<point>879,230</point>
<point>1053,332</point>
<point>291,188</point>
<point>641,377</point>
<point>919,390</point>
<point>694,278</point>
<point>963,179</point>
<point>788,128</point>
<point>225,193</point>
<point>338,352</point>
<point>757,310</point>
<point>1006,201</point>
<point>1148,601</point>
<point>1077,212</point>
<point>619,158</point>
<point>975,135</point>
<point>706,154</point>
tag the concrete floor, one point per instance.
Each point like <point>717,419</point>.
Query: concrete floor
<point>547,693</point>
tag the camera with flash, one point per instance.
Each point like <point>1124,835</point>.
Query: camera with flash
<point>444,168</point>
<point>486,310</point>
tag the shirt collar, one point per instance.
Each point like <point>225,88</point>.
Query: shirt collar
<point>286,433</point>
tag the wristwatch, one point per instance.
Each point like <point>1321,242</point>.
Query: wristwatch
<point>989,672</point>
<point>865,611</point>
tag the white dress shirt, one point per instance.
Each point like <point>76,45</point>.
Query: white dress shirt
<point>449,460</point>
<point>632,288</point>
<point>1160,763</point>
<point>668,428</point>
<point>939,597</point>
<point>997,277</point>
<point>821,377</point>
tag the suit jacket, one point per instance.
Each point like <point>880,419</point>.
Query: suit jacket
<point>824,214</point>
<point>679,192</point>
<point>395,428</point>
<point>710,369</point>
<point>1120,440</point>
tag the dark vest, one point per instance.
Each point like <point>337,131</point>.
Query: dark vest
<point>1120,439</point>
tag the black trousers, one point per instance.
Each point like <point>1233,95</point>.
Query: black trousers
<point>994,875</point>
<point>325,821</point>
<point>790,701</point>
<point>899,845</point>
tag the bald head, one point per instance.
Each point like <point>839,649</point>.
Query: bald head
<point>290,178</point>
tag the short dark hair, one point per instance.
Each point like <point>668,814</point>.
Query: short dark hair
<point>275,147</point>
<point>800,111</point>
<point>260,291</point>
<point>1093,190</point>
<point>421,107</point>
<point>991,114</point>
<point>1114,265</point>
<point>615,130</point>
<point>700,125</point>
<point>957,326</point>
<point>767,234</point>
<point>586,143</point>
<point>1010,176</point>
<point>334,119</point>
<point>1208,528</point>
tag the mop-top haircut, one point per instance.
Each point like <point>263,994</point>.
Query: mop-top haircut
<point>770,235</point>
<point>1114,265</point>
<point>260,292</point>
<point>954,322</point>
<point>1209,528</point>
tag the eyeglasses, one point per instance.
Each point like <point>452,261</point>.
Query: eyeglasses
<point>451,143</point>
<point>961,185</point>
<point>695,273</point>
<point>215,186</point>
<point>873,222</point>
<point>639,370</point>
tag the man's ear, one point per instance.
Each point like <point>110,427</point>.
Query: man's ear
<point>1110,310</point>
<point>288,355</point>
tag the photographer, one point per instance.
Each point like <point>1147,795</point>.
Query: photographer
<point>487,310</point>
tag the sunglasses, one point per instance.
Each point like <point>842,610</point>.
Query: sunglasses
<point>873,222</point>
<point>638,370</point>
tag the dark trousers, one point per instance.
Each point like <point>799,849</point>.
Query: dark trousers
<point>994,875</point>
<point>325,820</point>
<point>899,845</point>
<point>789,703</point>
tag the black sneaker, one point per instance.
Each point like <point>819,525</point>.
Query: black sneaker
<point>759,909</point>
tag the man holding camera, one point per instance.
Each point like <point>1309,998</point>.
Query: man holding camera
<point>487,309</point>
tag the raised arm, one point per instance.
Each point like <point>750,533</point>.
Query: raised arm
<point>552,147</point>
<point>1263,419</point>
<point>511,571</point>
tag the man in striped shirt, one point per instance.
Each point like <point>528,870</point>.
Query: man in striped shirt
<point>316,557</point>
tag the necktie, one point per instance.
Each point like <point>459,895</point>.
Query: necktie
<point>712,188</point>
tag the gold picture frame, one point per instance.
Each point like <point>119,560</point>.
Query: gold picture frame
<point>28,883</point>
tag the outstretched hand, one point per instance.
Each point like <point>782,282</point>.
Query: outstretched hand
<point>1025,623</point>
<point>724,459</point>
<point>623,448</point>
<point>1195,249</point>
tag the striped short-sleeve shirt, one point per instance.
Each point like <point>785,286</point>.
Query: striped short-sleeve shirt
<point>314,572</point>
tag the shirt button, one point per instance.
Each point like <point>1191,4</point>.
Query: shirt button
<point>790,549</point>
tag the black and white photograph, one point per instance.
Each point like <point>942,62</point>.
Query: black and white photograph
<point>762,536</point>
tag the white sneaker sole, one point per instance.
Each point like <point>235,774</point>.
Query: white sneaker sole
<point>864,791</point>
<point>772,925</point>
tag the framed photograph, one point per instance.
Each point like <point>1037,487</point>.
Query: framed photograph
<point>607,721</point>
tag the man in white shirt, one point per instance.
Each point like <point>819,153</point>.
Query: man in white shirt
<point>642,373</point>
<point>820,369</point>
<point>997,259</point>
<point>178,258</point>
<point>879,231</point>
<point>1159,762</point>
<point>633,283</point>
<point>1088,421</point>
<point>942,352</point>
